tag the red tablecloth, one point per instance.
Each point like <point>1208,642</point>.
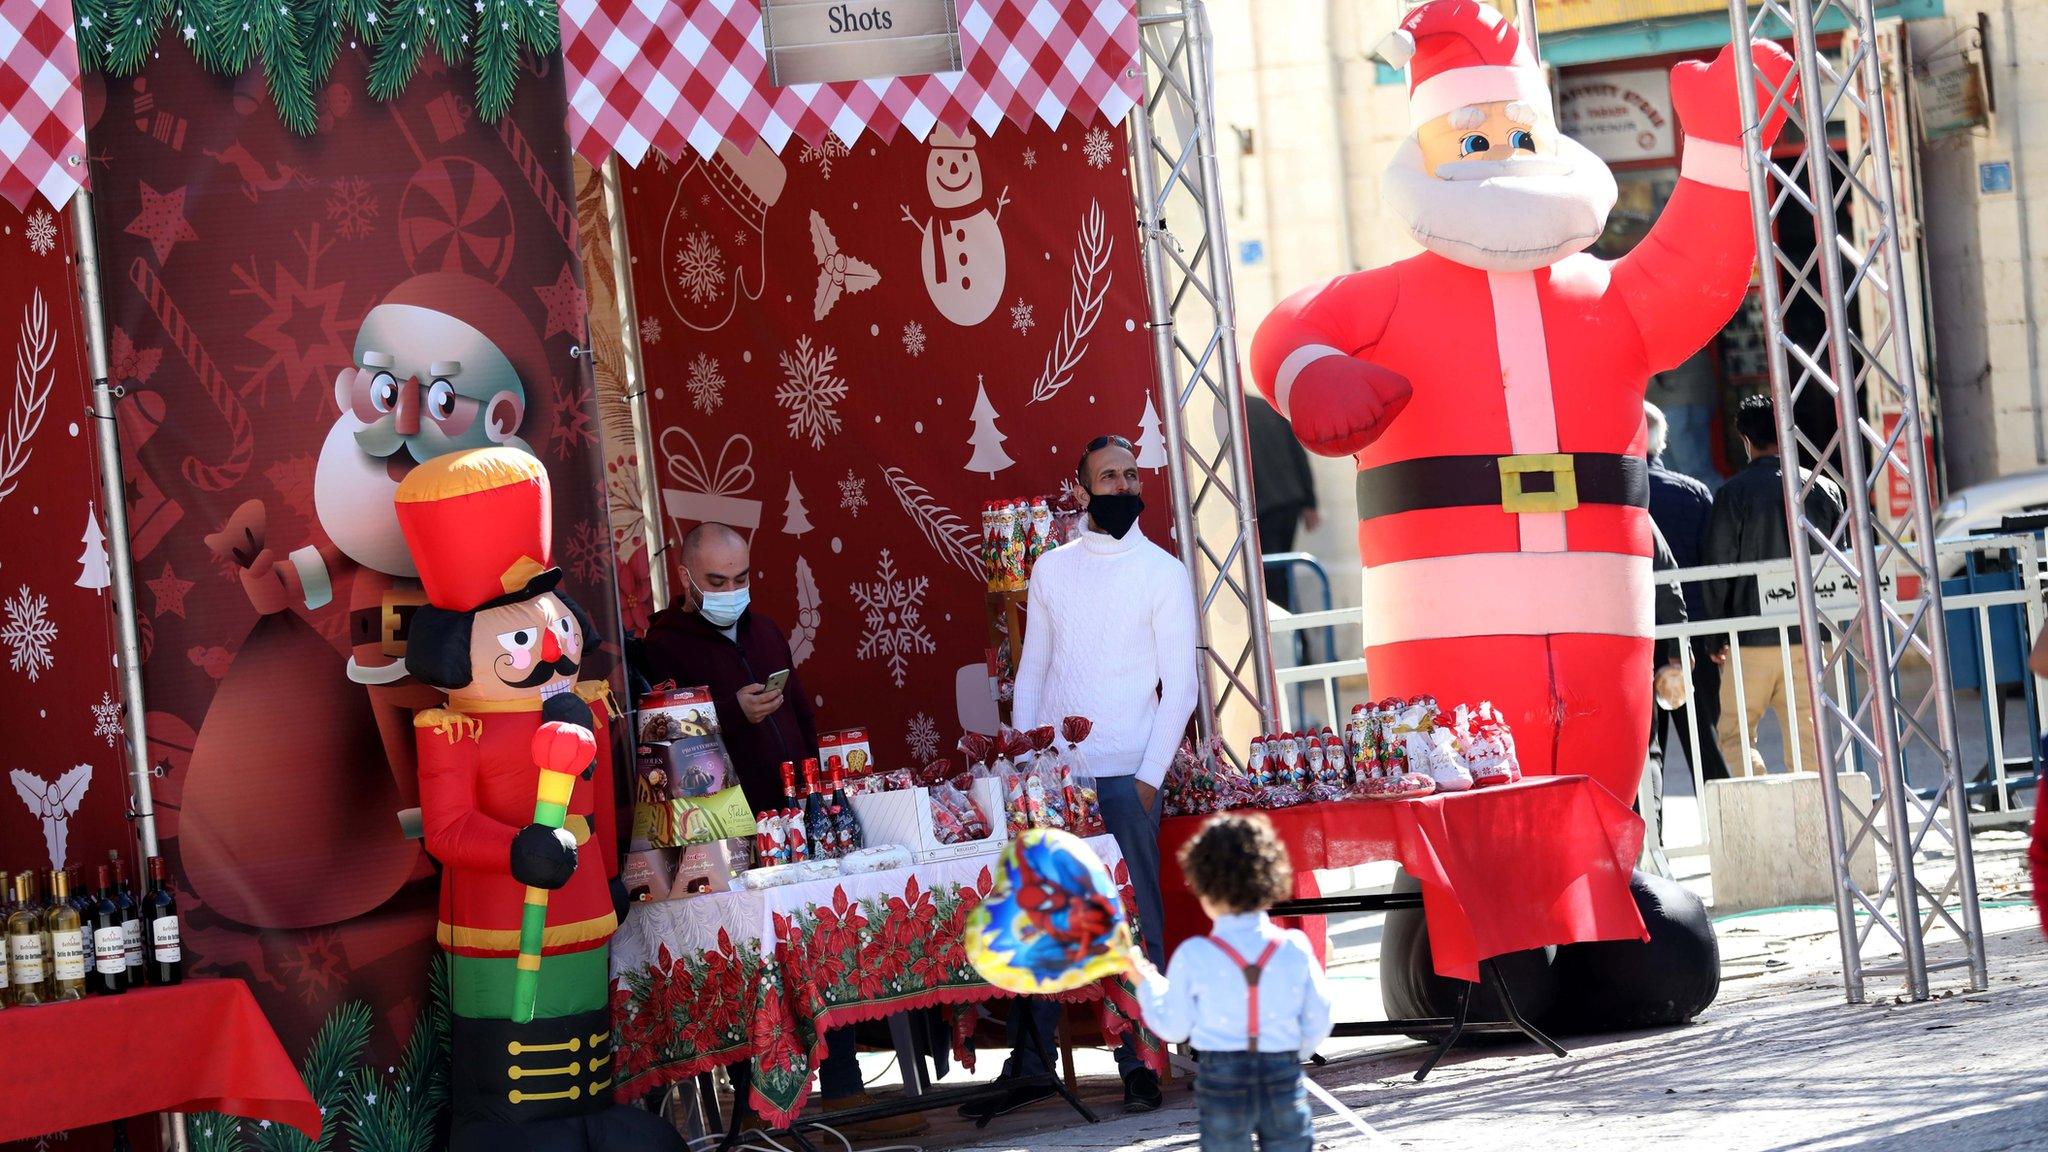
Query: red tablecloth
<point>201,1046</point>
<point>1543,861</point>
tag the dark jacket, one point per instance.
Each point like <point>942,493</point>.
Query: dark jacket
<point>1680,506</point>
<point>1670,603</point>
<point>1281,479</point>
<point>684,647</point>
<point>1748,524</point>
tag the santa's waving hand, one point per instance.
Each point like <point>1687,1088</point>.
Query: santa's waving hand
<point>1491,388</point>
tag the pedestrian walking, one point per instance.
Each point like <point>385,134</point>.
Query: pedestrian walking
<point>1249,996</point>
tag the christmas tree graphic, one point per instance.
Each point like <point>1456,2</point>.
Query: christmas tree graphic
<point>1151,445</point>
<point>92,563</point>
<point>796,519</point>
<point>989,456</point>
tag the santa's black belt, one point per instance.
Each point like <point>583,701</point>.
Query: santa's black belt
<point>1544,482</point>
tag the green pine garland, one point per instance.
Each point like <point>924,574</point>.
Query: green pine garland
<point>394,1111</point>
<point>296,42</point>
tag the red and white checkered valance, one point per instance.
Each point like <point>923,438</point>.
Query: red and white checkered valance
<point>664,75</point>
<point>42,116</point>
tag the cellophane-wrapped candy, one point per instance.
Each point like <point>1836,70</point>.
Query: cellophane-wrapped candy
<point>956,816</point>
<point>1190,785</point>
<point>1074,783</point>
<point>1486,746</point>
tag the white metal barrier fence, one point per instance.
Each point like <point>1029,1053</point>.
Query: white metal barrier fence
<point>1994,605</point>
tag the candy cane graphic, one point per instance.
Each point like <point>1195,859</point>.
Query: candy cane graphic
<point>201,475</point>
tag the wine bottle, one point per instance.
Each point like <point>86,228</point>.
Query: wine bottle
<point>66,932</point>
<point>109,950</point>
<point>27,953</point>
<point>83,900</point>
<point>166,961</point>
<point>131,922</point>
<point>851,838</point>
<point>817,821</point>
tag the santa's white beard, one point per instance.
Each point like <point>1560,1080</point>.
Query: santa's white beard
<point>352,494</point>
<point>1503,223</point>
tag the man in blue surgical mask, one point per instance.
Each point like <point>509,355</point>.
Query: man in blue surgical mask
<point>712,636</point>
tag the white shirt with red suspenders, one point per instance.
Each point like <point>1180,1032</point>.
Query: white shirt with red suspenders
<point>1248,986</point>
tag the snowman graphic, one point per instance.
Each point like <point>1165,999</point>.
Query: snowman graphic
<point>962,246</point>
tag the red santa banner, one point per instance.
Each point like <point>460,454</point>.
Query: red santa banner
<point>66,794</point>
<point>850,350</point>
<point>299,321</point>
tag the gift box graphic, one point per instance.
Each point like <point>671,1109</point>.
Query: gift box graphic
<point>709,491</point>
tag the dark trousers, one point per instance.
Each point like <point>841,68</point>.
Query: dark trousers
<point>1136,831</point>
<point>1276,535</point>
<point>1704,711</point>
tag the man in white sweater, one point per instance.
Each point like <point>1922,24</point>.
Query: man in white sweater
<point>1110,634</point>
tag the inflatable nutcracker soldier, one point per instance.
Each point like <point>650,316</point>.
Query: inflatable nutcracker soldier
<point>516,794</point>
<point>1491,390</point>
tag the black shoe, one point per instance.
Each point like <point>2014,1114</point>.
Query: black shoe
<point>1141,1091</point>
<point>1020,1096</point>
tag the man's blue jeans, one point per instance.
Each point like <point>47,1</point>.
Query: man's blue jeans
<point>1136,831</point>
<point>1242,1094</point>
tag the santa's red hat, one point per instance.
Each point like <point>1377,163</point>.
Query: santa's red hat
<point>1459,53</point>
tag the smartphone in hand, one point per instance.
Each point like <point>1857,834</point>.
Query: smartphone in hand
<point>775,683</point>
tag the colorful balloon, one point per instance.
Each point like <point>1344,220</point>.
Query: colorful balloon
<point>1053,922</point>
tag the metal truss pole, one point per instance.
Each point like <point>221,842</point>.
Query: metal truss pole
<point>1193,322</point>
<point>1879,720</point>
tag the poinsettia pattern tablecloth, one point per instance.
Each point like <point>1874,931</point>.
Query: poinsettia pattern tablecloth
<point>716,979</point>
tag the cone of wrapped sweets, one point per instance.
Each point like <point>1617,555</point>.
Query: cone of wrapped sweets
<point>1087,802</point>
<point>956,816</point>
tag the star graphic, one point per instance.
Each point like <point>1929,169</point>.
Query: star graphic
<point>170,592</point>
<point>564,300</point>
<point>161,221</point>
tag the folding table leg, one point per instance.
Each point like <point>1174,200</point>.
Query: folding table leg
<point>1507,1002</point>
<point>1027,1033</point>
<point>907,1059</point>
<point>742,1075</point>
<point>1451,1037</point>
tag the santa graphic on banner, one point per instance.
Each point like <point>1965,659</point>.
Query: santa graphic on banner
<point>1491,390</point>
<point>443,363</point>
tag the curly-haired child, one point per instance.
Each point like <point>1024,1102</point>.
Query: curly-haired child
<point>1249,995</point>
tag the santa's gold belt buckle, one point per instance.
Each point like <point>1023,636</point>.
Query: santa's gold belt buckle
<point>1563,494</point>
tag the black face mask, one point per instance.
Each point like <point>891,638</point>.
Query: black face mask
<point>1115,513</point>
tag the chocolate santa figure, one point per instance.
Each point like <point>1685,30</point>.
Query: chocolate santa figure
<point>1491,390</point>
<point>516,794</point>
<point>961,248</point>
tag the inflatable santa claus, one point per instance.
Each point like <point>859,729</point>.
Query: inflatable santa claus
<point>1491,389</point>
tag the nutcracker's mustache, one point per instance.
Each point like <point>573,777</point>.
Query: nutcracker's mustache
<point>544,671</point>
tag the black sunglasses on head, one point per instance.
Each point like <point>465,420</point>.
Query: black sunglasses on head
<point>1097,445</point>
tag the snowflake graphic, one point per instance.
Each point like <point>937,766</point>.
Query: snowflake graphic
<point>891,623</point>
<point>923,738</point>
<point>1095,148</point>
<point>41,232</point>
<point>739,238</point>
<point>28,633</point>
<point>106,718</point>
<point>573,429</point>
<point>306,331</point>
<point>913,338</point>
<point>352,207</point>
<point>853,493</point>
<point>650,330</point>
<point>700,268</point>
<point>315,966</point>
<point>707,384</point>
<point>1020,316</point>
<point>590,554</point>
<point>823,154</point>
<point>1031,157</point>
<point>810,391</point>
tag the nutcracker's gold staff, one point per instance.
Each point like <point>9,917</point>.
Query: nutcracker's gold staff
<point>561,751</point>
